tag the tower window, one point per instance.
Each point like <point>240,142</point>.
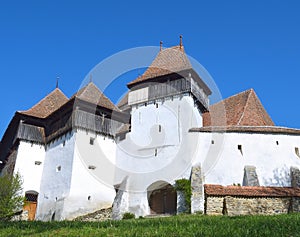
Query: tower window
<point>89,198</point>
<point>58,168</point>
<point>92,140</point>
<point>155,152</point>
<point>297,151</point>
<point>159,128</point>
<point>157,106</point>
<point>240,148</point>
<point>277,143</point>
<point>212,142</point>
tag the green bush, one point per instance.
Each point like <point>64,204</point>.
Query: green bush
<point>128,215</point>
<point>11,200</point>
<point>184,185</point>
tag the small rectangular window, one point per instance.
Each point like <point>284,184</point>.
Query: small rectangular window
<point>58,168</point>
<point>297,151</point>
<point>240,148</point>
<point>92,167</point>
<point>37,162</point>
<point>92,140</point>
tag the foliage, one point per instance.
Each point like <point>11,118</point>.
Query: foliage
<point>184,185</point>
<point>128,215</point>
<point>11,200</point>
<point>183,225</point>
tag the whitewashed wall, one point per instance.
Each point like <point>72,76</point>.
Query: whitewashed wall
<point>148,155</point>
<point>31,173</point>
<point>272,161</point>
<point>55,183</point>
<point>91,189</point>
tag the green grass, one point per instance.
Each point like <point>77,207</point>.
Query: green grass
<point>182,225</point>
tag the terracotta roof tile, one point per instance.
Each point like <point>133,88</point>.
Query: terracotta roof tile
<point>247,191</point>
<point>167,61</point>
<point>48,105</point>
<point>248,129</point>
<point>90,93</point>
<point>243,109</point>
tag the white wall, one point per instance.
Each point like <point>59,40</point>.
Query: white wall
<point>28,154</point>
<point>55,184</point>
<point>227,164</point>
<point>136,155</point>
<point>91,189</point>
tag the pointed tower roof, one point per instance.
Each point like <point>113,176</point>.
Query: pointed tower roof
<point>48,105</point>
<point>170,60</point>
<point>90,93</point>
<point>243,109</point>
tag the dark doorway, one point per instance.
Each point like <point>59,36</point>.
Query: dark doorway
<point>162,198</point>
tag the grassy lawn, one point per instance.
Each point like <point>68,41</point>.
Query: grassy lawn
<point>183,225</point>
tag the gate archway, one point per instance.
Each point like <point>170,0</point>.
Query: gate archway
<point>162,198</point>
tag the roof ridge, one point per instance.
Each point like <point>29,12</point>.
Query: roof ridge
<point>167,61</point>
<point>232,96</point>
<point>49,107</point>
<point>246,105</point>
<point>92,94</point>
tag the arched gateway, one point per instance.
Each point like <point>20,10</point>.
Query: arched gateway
<point>162,198</point>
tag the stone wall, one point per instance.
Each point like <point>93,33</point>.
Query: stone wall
<point>235,206</point>
<point>214,205</point>
<point>255,206</point>
<point>295,205</point>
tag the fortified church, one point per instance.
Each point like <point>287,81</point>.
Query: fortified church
<point>81,154</point>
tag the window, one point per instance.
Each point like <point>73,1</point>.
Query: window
<point>240,148</point>
<point>212,142</point>
<point>92,140</point>
<point>159,128</point>
<point>157,106</point>
<point>277,143</point>
<point>89,198</point>
<point>297,151</point>
<point>92,167</point>
<point>58,168</point>
<point>37,162</point>
<point>155,152</point>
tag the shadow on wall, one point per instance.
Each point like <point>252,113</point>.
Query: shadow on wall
<point>281,177</point>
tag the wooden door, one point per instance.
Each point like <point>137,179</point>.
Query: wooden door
<point>31,208</point>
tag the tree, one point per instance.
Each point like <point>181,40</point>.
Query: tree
<point>11,199</point>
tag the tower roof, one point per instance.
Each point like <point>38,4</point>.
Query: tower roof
<point>47,105</point>
<point>169,60</point>
<point>90,93</point>
<point>243,109</point>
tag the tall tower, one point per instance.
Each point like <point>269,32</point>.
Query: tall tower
<point>165,103</point>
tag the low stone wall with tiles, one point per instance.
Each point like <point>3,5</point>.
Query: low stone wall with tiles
<point>235,201</point>
<point>256,206</point>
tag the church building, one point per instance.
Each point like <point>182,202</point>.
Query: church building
<point>81,154</point>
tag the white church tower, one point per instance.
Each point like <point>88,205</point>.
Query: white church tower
<point>165,103</point>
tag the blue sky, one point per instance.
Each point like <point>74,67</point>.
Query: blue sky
<point>242,44</point>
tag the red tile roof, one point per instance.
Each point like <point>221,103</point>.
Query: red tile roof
<point>90,93</point>
<point>243,109</point>
<point>247,191</point>
<point>170,60</point>
<point>48,105</point>
<point>248,129</point>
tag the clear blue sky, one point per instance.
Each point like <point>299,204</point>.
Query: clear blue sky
<point>243,44</point>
